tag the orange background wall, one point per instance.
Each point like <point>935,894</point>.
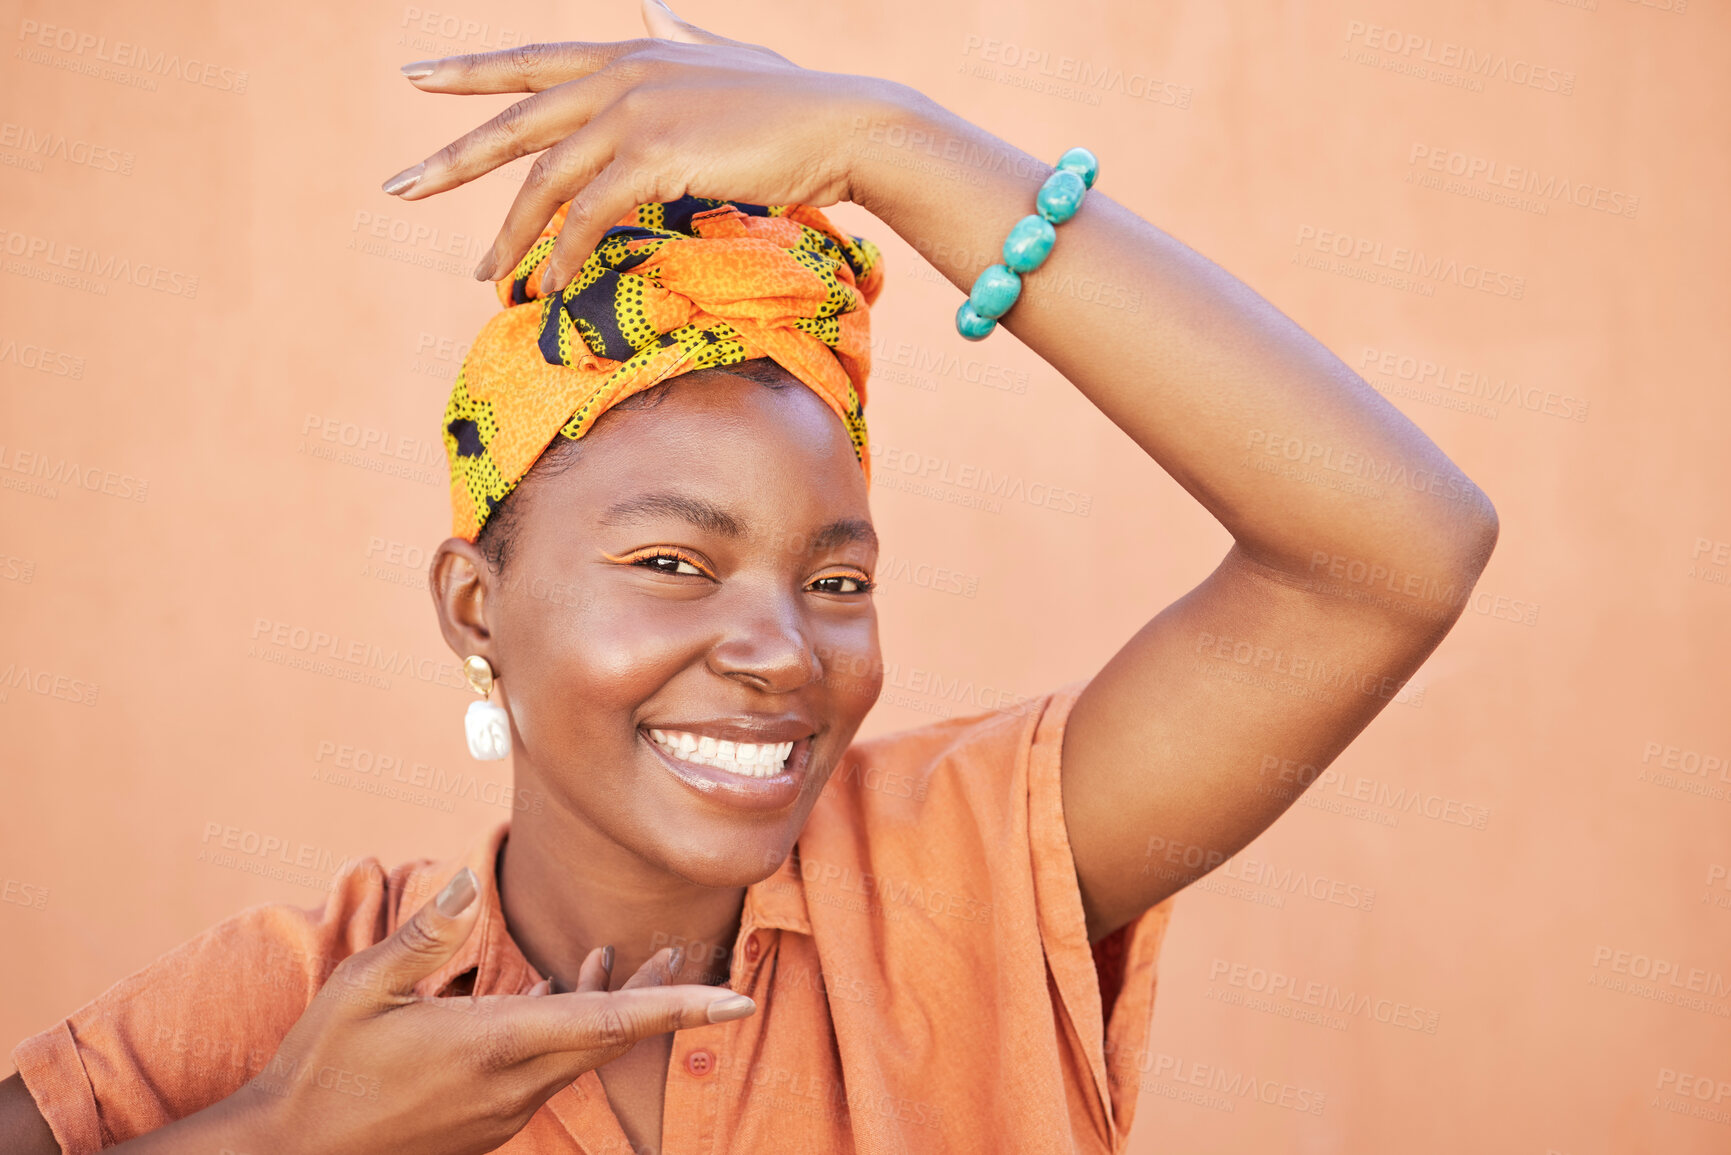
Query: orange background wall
<point>1569,740</point>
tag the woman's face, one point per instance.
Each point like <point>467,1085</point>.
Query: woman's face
<point>683,632</point>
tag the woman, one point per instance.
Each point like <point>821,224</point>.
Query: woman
<point>730,926</point>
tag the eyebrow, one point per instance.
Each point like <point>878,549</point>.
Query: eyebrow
<point>847,529</point>
<point>704,515</point>
<point>711,518</point>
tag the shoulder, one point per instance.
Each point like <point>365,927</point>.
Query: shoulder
<point>970,761</point>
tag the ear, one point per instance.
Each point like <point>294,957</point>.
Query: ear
<point>461,583</point>
<point>663,24</point>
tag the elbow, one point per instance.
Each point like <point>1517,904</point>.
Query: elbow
<point>1456,542</point>
<point>1481,535</point>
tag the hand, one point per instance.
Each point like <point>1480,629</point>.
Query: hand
<point>685,113</point>
<point>371,1067</point>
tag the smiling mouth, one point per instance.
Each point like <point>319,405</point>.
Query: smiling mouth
<point>745,759</point>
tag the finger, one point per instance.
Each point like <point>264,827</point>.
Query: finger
<point>555,176</point>
<point>605,1022</point>
<point>530,125</point>
<point>658,969</point>
<point>597,970</point>
<point>387,971</point>
<point>526,68</point>
<point>665,25</point>
<point>597,207</point>
<point>544,987</point>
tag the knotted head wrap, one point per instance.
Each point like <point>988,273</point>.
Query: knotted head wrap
<point>675,286</point>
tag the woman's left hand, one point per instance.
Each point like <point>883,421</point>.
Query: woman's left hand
<point>621,124</point>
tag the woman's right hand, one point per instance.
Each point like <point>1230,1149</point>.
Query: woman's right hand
<point>373,1068</point>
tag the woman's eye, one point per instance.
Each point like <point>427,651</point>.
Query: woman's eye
<point>843,584</point>
<point>668,563</point>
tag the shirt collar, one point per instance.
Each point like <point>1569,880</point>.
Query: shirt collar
<point>779,900</point>
<point>775,902</point>
<point>490,952</point>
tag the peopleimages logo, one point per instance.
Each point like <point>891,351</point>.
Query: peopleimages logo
<point>1282,994</point>
<point>53,472</point>
<point>926,470</point>
<point>41,358</point>
<point>1412,261</point>
<point>1427,372</point>
<point>88,46</point>
<point>1478,64</point>
<point>36,680</point>
<point>92,268</point>
<point>1524,179</point>
<point>1069,76</point>
<point>1233,1086</point>
<point>57,146</point>
<point>1661,980</point>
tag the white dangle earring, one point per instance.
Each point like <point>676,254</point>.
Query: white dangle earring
<point>486,723</point>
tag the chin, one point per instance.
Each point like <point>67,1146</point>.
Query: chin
<point>749,859</point>
<point>720,823</point>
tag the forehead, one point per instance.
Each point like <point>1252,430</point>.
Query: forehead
<point>732,453</point>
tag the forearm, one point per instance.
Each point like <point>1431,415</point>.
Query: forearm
<point>1294,454</point>
<point>233,1125</point>
<point>23,1130</point>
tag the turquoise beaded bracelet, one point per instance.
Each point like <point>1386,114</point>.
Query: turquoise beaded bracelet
<point>1028,244</point>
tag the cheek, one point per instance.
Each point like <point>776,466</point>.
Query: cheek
<point>583,674</point>
<point>853,666</point>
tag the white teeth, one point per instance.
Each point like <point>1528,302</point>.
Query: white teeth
<point>749,759</point>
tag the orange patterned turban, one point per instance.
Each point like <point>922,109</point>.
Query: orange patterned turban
<point>676,286</point>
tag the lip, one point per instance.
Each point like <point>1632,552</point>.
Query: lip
<point>773,793</point>
<point>743,728</point>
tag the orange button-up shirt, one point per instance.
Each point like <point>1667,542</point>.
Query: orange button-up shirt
<point>921,967</point>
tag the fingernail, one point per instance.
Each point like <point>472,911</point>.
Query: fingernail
<point>732,1007</point>
<point>458,894</point>
<point>420,69</point>
<point>607,959</point>
<point>676,960</point>
<point>405,180</point>
<point>551,281</point>
<point>484,270</point>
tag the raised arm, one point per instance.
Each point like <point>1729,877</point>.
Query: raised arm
<point>1356,539</point>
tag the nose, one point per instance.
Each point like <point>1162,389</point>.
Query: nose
<point>767,643</point>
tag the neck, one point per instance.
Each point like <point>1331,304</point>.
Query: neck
<point>566,888</point>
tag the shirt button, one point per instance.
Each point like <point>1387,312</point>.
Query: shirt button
<point>700,1062</point>
<point>752,949</point>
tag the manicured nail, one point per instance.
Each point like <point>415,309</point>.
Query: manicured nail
<point>732,1007</point>
<point>405,180</point>
<point>551,280</point>
<point>458,894</point>
<point>676,960</point>
<point>484,272</point>
<point>420,69</point>
<point>607,959</point>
